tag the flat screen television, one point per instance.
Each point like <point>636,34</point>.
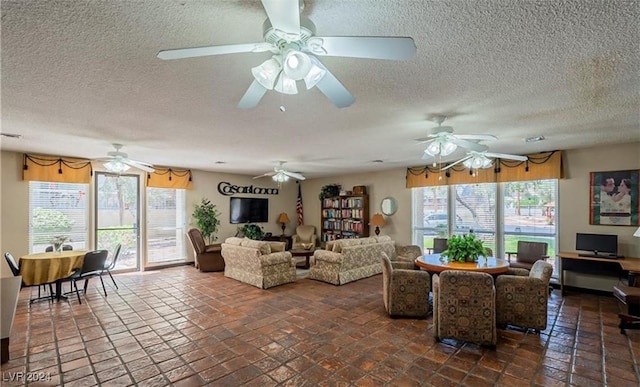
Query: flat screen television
<point>597,245</point>
<point>249,210</point>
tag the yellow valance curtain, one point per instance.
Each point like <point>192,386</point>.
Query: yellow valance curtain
<point>170,178</point>
<point>56,169</point>
<point>545,165</point>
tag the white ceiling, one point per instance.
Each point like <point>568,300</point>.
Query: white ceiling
<point>79,75</point>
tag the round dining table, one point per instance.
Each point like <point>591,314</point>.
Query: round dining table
<point>434,263</point>
<point>50,267</point>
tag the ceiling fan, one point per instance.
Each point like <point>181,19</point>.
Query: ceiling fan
<point>291,39</point>
<point>119,162</point>
<point>443,142</point>
<point>280,175</point>
<point>484,159</point>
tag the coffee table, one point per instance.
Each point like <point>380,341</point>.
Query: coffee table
<point>307,253</point>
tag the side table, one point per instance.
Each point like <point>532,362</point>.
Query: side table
<point>307,253</point>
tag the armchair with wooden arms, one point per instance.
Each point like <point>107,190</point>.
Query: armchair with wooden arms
<point>207,257</point>
<point>528,253</point>
<point>304,238</point>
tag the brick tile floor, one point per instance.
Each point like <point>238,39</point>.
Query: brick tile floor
<point>181,327</point>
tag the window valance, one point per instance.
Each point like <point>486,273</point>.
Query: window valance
<point>539,166</point>
<point>56,169</point>
<point>170,178</point>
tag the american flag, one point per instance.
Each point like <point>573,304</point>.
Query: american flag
<point>299,205</point>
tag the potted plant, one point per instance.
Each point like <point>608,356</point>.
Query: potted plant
<point>464,248</point>
<point>206,216</point>
<point>252,231</point>
<point>329,190</point>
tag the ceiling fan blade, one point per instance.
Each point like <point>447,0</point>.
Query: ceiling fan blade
<point>331,87</point>
<point>294,175</point>
<point>374,47</point>
<point>457,162</point>
<point>252,96</point>
<point>506,156</point>
<point>265,175</point>
<point>143,166</point>
<point>181,53</point>
<point>468,144</point>
<point>284,15</point>
<point>480,137</point>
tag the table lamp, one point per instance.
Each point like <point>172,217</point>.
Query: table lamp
<point>377,221</point>
<point>283,219</point>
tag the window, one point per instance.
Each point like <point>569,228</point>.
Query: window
<point>166,225</point>
<point>58,209</point>
<point>499,214</point>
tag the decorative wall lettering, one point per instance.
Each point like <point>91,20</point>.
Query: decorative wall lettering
<point>228,189</point>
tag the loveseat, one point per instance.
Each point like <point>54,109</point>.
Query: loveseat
<point>346,260</point>
<point>259,263</point>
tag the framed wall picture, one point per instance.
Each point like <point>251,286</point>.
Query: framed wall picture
<point>614,198</point>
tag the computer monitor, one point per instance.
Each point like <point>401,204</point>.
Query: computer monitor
<point>597,245</point>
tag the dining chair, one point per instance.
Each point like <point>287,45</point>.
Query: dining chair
<point>405,291</point>
<point>464,307</point>
<point>111,265</point>
<point>15,269</point>
<point>439,245</point>
<point>93,266</point>
<point>528,253</point>
<point>521,301</point>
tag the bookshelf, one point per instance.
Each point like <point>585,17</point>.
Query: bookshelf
<point>345,216</point>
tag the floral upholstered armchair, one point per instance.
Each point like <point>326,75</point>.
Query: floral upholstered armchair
<point>405,291</point>
<point>521,300</point>
<point>464,307</point>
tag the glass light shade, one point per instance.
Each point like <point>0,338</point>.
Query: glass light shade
<point>441,148</point>
<point>116,166</point>
<point>296,64</point>
<point>314,76</point>
<point>280,177</point>
<point>286,85</point>
<point>267,73</point>
<point>477,162</point>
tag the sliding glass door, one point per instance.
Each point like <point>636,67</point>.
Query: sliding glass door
<point>117,217</point>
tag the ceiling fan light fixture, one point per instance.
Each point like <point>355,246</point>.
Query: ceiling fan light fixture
<point>280,177</point>
<point>477,162</point>
<point>286,85</point>
<point>441,148</point>
<point>116,166</point>
<point>267,73</point>
<point>296,64</point>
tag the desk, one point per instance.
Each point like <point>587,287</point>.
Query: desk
<point>43,268</point>
<point>626,264</point>
<point>490,265</point>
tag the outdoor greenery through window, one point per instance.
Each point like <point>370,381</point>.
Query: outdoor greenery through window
<point>166,225</point>
<point>498,214</point>
<point>57,209</point>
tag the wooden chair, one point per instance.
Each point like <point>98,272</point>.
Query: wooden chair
<point>439,245</point>
<point>629,298</point>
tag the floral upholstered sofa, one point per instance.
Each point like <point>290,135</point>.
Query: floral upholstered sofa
<point>258,263</point>
<point>348,260</point>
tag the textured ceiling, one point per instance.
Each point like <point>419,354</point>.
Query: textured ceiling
<point>79,75</point>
